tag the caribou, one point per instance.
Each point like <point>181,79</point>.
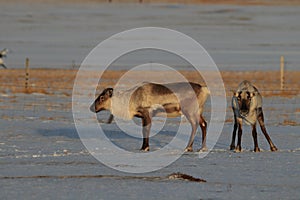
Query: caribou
<point>3,54</point>
<point>247,107</point>
<point>147,100</point>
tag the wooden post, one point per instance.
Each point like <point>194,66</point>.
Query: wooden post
<point>26,74</point>
<point>281,72</point>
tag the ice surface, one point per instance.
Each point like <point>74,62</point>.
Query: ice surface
<point>237,37</point>
<point>42,156</point>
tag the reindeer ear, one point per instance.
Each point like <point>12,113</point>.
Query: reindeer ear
<point>236,94</point>
<point>233,92</point>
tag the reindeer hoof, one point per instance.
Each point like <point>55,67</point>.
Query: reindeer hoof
<point>203,149</point>
<point>274,148</point>
<point>145,149</point>
<point>188,149</point>
<point>256,149</point>
<point>232,147</point>
<point>238,150</point>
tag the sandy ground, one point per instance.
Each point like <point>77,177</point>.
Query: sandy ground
<point>54,81</point>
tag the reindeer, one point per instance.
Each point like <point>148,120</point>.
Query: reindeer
<point>247,107</point>
<point>2,55</point>
<point>151,99</point>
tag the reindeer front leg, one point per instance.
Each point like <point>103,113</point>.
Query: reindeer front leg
<point>254,135</point>
<point>238,147</point>
<point>260,119</point>
<point>232,145</point>
<point>146,122</point>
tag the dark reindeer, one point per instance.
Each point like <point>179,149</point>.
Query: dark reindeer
<point>247,107</point>
<point>150,99</point>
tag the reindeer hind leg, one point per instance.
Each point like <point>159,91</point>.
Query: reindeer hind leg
<point>193,122</point>
<point>260,119</point>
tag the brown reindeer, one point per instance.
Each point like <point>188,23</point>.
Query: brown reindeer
<point>247,107</point>
<point>150,99</point>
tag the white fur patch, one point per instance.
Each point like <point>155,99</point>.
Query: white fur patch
<point>120,104</point>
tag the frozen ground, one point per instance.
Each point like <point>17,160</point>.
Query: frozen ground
<point>42,157</point>
<point>237,37</point>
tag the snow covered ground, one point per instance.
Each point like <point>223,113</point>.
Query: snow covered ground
<point>41,156</point>
<point>237,37</point>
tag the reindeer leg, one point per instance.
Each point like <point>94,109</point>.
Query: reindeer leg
<point>203,126</point>
<point>232,145</point>
<point>3,66</point>
<point>110,119</point>
<point>193,122</point>
<point>189,147</point>
<point>146,122</point>
<point>254,135</point>
<point>260,119</point>
<point>238,147</point>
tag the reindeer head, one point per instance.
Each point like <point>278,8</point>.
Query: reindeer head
<point>103,101</point>
<point>244,98</point>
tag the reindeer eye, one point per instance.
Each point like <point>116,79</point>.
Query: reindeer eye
<point>248,95</point>
<point>101,98</point>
